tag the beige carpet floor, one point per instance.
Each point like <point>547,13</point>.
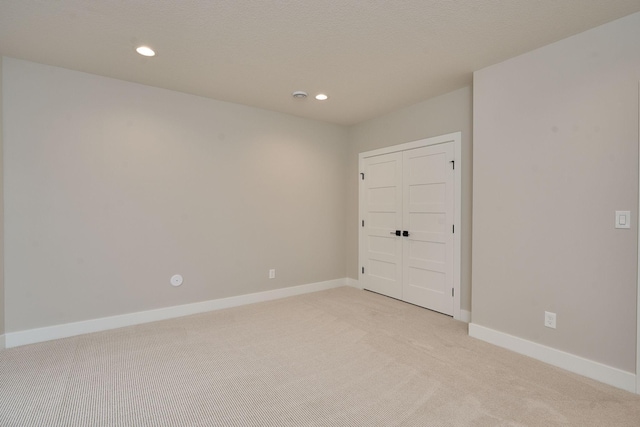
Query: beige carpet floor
<point>341,357</point>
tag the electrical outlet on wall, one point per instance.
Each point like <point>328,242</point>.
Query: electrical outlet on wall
<point>272,273</point>
<point>549,319</point>
<point>623,219</point>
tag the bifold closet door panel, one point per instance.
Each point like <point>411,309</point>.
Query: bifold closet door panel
<point>428,205</point>
<point>382,216</point>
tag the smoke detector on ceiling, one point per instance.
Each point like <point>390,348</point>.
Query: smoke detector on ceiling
<point>299,94</point>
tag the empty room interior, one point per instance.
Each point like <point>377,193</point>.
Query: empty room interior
<point>319,213</point>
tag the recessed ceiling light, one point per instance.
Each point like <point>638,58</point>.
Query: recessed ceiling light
<point>145,51</point>
<point>321,97</point>
<point>299,94</point>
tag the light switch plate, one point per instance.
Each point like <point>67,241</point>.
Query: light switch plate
<point>623,219</point>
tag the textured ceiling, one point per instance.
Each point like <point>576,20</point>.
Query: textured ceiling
<point>371,57</point>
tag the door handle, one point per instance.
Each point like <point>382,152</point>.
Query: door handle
<point>396,233</point>
<point>405,233</point>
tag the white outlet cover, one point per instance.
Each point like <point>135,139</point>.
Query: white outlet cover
<point>176,280</point>
<point>623,219</point>
<point>550,320</point>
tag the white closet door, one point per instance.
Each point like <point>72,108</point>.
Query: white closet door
<point>428,207</point>
<point>382,216</point>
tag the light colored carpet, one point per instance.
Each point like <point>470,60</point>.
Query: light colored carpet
<point>341,357</point>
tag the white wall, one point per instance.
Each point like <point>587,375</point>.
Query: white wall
<point>555,154</point>
<point>112,187</point>
<point>437,116</point>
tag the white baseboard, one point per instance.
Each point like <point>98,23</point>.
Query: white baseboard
<point>31,336</point>
<point>570,362</point>
<point>465,316</point>
<point>2,343</point>
<point>354,283</point>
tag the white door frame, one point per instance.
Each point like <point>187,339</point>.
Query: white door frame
<point>456,138</point>
<point>638,265</point>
